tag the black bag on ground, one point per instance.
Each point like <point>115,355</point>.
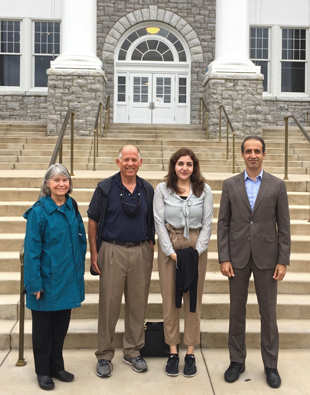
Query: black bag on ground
<point>155,345</point>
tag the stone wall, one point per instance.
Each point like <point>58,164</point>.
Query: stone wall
<point>23,107</point>
<point>274,110</point>
<point>194,19</point>
<point>78,89</point>
<point>242,97</point>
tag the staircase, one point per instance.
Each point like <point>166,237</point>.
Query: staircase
<point>18,191</point>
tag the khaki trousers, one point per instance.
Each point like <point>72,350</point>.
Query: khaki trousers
<point>123,270</point>
<point>167,274</point>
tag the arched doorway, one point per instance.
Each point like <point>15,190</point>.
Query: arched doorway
<point>152,76</point>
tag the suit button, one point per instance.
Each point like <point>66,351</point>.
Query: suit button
<point>249,238</point>
<point>251,222</point>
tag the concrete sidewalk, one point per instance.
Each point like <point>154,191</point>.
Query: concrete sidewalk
<point>294,366</point>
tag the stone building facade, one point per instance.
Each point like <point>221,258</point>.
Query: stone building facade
<point>194,19</point>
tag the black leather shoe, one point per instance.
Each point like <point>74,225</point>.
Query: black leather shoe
<point>45,382</point>
<point>233,372</point>
<point>273,378</point>
<point>63,375</point>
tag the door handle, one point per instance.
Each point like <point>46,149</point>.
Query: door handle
<point>152,105</point>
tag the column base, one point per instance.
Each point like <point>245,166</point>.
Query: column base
<point>242,96</point>
<point>78,89</point>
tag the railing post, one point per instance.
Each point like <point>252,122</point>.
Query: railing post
<point>220,125</point>
<point>227,141</point>
<point>207,125</point>
<point>94,168</point>
<point>286,150</point>
<point>72,142</point>
<point>200,111</point>
<point>234,169</point>
<point>60,154</point>
<point>203,117</point>
<point>21,360</point>
<point>100,120</point>
<point>106,124</point>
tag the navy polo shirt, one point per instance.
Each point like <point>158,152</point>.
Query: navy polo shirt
<point>119,226</point>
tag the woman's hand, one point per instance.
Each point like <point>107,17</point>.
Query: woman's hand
<point>37,294</point>
<point>173,256</point>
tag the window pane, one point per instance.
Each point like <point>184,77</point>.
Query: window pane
<point>42,63</point>
<point>126,45</point>
<point>121,97</point>
<point>293,77</point>
<point>182,56</point>
<point>168,57</point>
<point>142,47</point>
<point>121,80</point>
<point>9,70</point>
<point>264,71</point>
<point>152,44</point>
<point>152,56</point>
<point>136,55</point>
<point>182,99</point>
<point>121,89</point>
<point>122,55</point>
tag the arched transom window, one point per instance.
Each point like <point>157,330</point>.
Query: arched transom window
<point>152,48</point>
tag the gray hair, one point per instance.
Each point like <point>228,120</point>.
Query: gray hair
<point>51,172</point>
<point>120,152</point>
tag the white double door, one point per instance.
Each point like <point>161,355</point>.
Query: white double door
<point>152,98</point>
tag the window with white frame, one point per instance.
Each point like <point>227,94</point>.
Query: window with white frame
<point>259,51</point>
<point>182,90</point>
<point>152,48</point>
<point>10,53</point>
<point>293,64</point>
<point>46,48</point>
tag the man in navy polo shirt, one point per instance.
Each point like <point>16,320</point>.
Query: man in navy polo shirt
<point>121,236</point>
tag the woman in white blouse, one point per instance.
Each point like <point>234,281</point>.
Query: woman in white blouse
<point>183,211</point>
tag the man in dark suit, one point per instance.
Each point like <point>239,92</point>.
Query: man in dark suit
<point>253,236</point>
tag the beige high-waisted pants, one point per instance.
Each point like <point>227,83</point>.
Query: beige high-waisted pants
<point>167,274</point>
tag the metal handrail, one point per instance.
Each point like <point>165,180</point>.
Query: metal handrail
<point>227,133</point>
<point>96,134</point>
<point>107,112</point>
<point>57,151</point>
<point>202,111</point>
<point>307,136</point>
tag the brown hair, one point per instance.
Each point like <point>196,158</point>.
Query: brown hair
<point>197,178</point>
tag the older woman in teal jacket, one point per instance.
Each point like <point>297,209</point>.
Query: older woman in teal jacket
<point>54,263</point>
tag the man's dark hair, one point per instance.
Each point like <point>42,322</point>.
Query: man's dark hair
<point>253,138</point>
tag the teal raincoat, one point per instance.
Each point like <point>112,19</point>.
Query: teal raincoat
<point>54,260</point>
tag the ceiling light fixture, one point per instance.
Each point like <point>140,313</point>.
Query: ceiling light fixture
<point>152,30</point>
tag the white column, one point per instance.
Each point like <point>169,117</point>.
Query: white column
<point>78,36</point>
<point>232,38</point>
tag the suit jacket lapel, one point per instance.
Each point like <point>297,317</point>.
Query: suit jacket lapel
<point>264,186</point>
<point>241,189</point>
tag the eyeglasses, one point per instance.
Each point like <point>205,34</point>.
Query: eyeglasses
<point>130,209</point>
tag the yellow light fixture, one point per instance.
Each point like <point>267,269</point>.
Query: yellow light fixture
<point>152,30</point>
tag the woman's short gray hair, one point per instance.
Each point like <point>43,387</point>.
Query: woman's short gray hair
<point>51,172</point>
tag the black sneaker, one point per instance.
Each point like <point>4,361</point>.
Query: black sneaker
<point>190,369</point>
<point>172,367</point>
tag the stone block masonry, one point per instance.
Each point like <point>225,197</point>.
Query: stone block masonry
<point>242,96</point>
<point>275,109</point>
<point>23,106</point>
<point>78,89</point>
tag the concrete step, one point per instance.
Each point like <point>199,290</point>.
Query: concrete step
<point>83,333</point>
<point>215,283</point>
<point>214,307</point>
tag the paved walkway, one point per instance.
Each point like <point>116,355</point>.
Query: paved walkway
<point>294,367</point>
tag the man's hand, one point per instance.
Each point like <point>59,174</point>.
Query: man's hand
<point>173,256</point>
<point>151,244</point>
<point>279,272</point>
<point>94,262</point>
<point>227,269</point>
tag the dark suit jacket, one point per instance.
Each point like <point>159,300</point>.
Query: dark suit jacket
<point>264,232</point>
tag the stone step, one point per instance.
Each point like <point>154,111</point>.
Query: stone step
<point>9,209</point>
<point>214,307</point>
<point>83,333</point>
<point>10,180</point>
<point>215,283</point>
